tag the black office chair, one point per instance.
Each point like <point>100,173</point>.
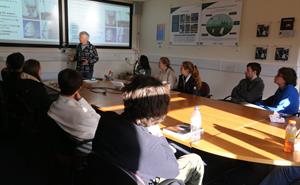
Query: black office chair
<point>204,91</point>
<point>66,153</point>
<point>98,170</point>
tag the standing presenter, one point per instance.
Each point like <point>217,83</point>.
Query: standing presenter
<point>86,56</point>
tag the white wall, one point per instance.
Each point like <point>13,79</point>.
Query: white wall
<point>53,60</point>
<point>222,67</point>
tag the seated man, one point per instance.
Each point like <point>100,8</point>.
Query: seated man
<point>286,98</point>
<point>11,75</point>
<point>14,65</point>
<point>127,141</point>
<point>251,88</point>
<point>71,111</point>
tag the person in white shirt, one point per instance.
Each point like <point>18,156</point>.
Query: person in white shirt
<point>71,111</point>
<point>166,73</point>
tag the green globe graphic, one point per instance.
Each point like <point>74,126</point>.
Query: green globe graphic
<point>219,25</point>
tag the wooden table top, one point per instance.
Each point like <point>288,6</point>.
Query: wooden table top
<point>230,130</point>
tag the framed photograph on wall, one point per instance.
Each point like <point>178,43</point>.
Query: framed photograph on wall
<point>282,54</point>
<point>287,27</point>
<point>262,30</point>
<point>261,53</point>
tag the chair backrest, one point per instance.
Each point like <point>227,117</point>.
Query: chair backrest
<point>204,90</point>
<point>99,171</point>
<point>62,142</point>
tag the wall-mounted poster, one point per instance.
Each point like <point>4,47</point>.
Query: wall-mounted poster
<point>160,32</point>
<point>220,23</point>
<point>262,30</point>
<point>261,53</point>
<point>185,25</point>
<point>282,54</point>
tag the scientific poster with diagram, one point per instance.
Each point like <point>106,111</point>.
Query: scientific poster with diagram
<point>185,22</point>
<point>220,23</point>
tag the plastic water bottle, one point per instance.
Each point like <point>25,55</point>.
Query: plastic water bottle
<point>196,125</point>
<point>290,136</point>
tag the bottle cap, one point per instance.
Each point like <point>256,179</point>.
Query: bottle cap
<point>292,122</point>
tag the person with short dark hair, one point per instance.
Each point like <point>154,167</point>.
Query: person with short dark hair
<point>142,66</point>
<point>134,141</point>
<point>86,56</point>
<point>71,111</point>
<point>32,95</point>
<point>286,98</point>
<point>11,76</point>
<point>166,73</point>
<point>250,89</point>
<point>14,64</point>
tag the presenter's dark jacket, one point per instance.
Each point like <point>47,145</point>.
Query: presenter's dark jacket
<point>88,52</point>
<point>250,91</point>
<point>122,142</point>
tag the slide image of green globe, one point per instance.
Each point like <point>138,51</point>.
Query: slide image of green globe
<point>219,25</point>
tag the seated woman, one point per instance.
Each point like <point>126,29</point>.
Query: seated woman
<point>142,67</point>
<point>166,74</point>
<point>32,94</point>
<point>286,98</point>
<point>189,80</point>
<point>127,141</point>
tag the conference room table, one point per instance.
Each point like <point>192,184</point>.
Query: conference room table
<point>230,130</point>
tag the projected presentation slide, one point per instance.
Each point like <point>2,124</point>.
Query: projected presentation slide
<point>108,24</point>
<point>29,22</point>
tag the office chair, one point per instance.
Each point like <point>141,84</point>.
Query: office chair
<point>204,91</point>
<point>98,170</point>
<point>67,153</point>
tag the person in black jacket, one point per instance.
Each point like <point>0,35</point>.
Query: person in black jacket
<point>14,64</point>
<point>32,96</point>
<point>142,66</point>
<point>11,74</point>
<point>189,80</point>
<point>134,141</point>
<point>251,88</point>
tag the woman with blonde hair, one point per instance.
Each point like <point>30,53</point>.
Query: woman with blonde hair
<point>166,74</point>
<point>189,80</point>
